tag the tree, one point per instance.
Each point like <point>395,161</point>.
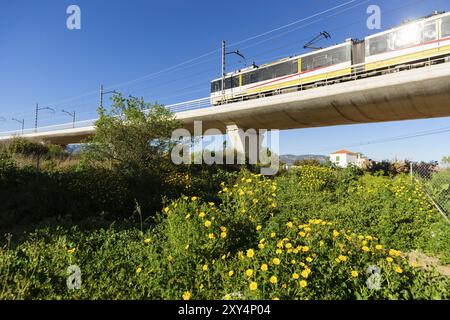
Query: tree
<point>28,149</point>
<point>307,162</point>
<point>133,137</point>
<point>446,160</point>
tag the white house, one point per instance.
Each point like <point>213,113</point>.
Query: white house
<point>344,158</point>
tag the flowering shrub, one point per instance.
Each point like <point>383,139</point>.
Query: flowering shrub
<point>255,242</point>
<point>396,210</point>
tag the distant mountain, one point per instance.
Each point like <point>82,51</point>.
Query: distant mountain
<point>291,158</point>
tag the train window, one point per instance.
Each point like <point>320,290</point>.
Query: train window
<point>294,66</point>
<point>407,36</point>
<point>236,82</point>
<point>326,58</point>
<point>445,27</point>
<point>246,78</point>
<point>430,31</point>
<point>256,76</point>
<point>279,70</point>
<point>227,83</point>
<point>215,86</point>
<point>272,72</point>
<point>377,45</point>
<point>232,82</point>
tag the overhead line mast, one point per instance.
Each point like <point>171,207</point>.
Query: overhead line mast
<point>224,54</point>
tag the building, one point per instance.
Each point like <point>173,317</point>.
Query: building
<point>344,158</point>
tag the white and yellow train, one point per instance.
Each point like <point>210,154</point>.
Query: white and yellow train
<point>413,44</point>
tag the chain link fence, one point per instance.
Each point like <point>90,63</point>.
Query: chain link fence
<point>434,178</point>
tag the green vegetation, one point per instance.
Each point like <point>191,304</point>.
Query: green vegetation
<point>140,227</point>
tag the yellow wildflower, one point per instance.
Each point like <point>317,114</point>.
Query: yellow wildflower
<point>354,274</point>
<point>208,224</point>
<point>273,279</point>
<point>186,295</point>
<point>276,261</point>
<point>253,286</point>
<point>394,253</point>
<point>303,283</point>
<point>138,270</point>
<point>305,273</point>
<point>295,276</point>
<point>264,267</point>
<point>250,253</point>
<point>249,272</point>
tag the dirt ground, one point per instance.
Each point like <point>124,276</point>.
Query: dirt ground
<point>424,261</point>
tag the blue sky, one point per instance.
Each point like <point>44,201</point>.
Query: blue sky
<point>120,41</point>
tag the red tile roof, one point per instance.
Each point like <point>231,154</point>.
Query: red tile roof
<point>344,152</point>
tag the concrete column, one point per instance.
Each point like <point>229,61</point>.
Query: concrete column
<point>246,142</point>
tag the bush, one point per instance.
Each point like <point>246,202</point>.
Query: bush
<point>237,248</point>
<point>314,233</point>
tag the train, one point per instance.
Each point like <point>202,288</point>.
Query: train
<point>413,44</point>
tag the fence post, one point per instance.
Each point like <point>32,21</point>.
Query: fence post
<point>411,171</point>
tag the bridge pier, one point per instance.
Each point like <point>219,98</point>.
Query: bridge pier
<point>246,142</point>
